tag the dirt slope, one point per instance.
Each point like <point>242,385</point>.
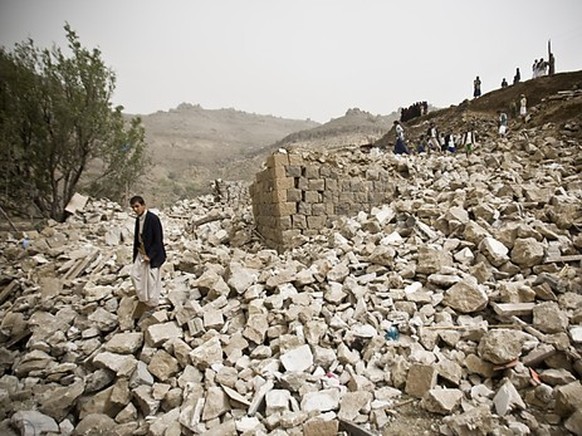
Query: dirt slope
<point>552,99</point>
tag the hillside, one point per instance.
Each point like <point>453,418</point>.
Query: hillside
<point>553,103</point>
<point>356,127</point>
<point>190,146</point>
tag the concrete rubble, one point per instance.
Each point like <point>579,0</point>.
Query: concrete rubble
<point>476,262</point>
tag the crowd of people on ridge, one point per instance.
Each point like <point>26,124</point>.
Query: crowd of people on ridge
<point>434,141</point>
<point>542,67</point>
<point>413,111</point>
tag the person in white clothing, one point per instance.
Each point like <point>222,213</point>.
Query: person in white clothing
<point>523,107</point>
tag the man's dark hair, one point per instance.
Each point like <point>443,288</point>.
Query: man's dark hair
<point>136,199</point>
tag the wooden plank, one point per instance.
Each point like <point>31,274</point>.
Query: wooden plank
<point>538,355</point>
<point>353,429</point>
<point>511,309</point>
<point>473,327</point>
<point>9,220</point>
<point>571,258</point>
<point>80,266</point>
<point>17,339</point>
<point>8,290</point>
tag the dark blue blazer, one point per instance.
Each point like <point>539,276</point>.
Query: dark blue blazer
<point>153,240</point>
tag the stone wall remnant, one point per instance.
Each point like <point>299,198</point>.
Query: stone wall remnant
<point>301,192</point>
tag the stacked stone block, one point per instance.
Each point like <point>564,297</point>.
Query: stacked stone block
<point>297,195</point>
<point>232,193</point>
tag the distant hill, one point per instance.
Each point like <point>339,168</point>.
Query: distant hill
<point>356,127</point>
<point>191,146</point>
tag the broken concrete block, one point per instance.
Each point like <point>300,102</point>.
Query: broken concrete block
<point>507,398</point>
<point>549,318</point>
<point>125,343</point>
<point>576,334</point>
<point>527,252</point>
<point>122,364</point>
<point>157,334</point>
<point>321,401</point>
<point>352,403</point>
<point>568,398</point>
<point>321,427</point>
<point>216,403</point>
<point>96,423</point>
<point>420,379</point>
<point>298,359</point>
<point>441,400</point>
<point>500,346</point>
<point>466,297</point>
<point>208,353</point>
<point>495,251</point>
<point>574,422</point>
<point>31,423</point>
<point>145,401</point>
<point>163,365</point>
<point>277,401</point>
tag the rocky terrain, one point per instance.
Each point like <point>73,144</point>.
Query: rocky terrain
<point>456,309</point>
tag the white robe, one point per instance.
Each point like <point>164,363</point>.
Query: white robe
<point>147,281</point>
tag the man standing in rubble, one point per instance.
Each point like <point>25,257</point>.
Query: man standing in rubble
<point>148,253</point>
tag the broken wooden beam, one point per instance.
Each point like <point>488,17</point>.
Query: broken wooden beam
<point>8,290</point>
<point>209,218</point>
<point>538,355</point>
<point>79,266</point>
<point>569,258</point>
<point>511,309</point>
<point>8,219</point>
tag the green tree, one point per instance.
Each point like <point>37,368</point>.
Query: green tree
<point>56,122</point>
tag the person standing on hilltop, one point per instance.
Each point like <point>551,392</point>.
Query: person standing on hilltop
<point>400,147</point>
<point>552,65</point>
<point>517,76</point>
<point>148,253</point>
<point>504,83</point>
<point>476,87</point>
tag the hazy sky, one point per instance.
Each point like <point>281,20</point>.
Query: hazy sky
<point>304,59</point>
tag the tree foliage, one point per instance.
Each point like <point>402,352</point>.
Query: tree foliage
<point>57,122</point>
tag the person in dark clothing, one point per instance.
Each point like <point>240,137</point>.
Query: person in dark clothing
<point>149,253</point>
<point>400,146</point>
<point>477,87</point>
<point>517,76</point>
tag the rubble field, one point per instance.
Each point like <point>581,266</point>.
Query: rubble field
<point>456,309</point>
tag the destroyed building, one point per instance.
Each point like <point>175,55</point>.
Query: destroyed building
<point>448,303</point>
